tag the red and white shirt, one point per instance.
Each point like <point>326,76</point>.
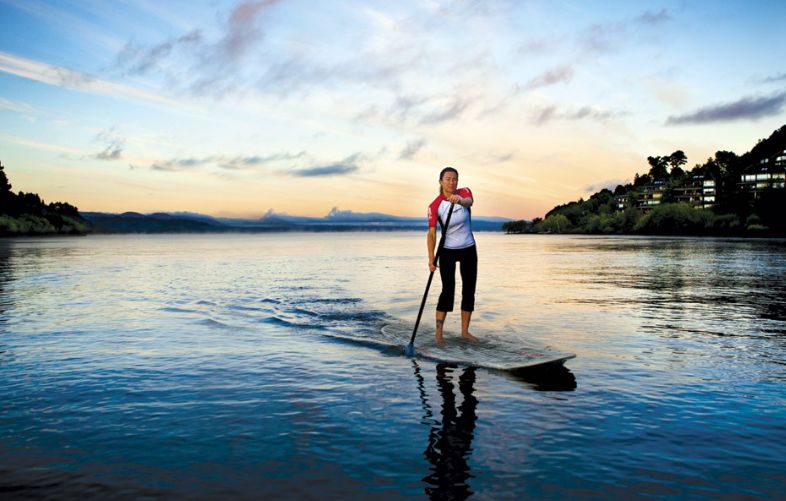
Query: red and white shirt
<point>459,235</point>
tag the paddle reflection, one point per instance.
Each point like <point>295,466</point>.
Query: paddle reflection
<point>450,438</point>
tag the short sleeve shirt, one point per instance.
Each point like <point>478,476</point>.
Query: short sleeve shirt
<point>459,235</point>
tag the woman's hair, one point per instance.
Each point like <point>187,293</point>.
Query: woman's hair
<point>447,169</point>
<point>442,174</point>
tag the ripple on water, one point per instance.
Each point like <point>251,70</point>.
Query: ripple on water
<point>172,371</point>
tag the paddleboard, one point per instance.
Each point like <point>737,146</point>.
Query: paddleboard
<point>491,352</point>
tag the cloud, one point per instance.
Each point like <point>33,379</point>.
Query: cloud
<point>181,164</point>
<point>112,144</point>
<point>563,74</point>
<point>111,152</point>
<point>255,161</point>
<point>412,148</point>
<point>550,113</point>
<point>140,61</point>
<point>191,62</point>
<point>654,18</point>
<point>64,77</point>
<point>424,110</point>
<point>775,78</point>
<point>537,47</point>
<point>17,106</point>
<point>242,31</point>
<point>224,162</point>
<point>606,37</point>
<point>326,170</point>
<point>747,108</point>
<point>600,38</point>
<point>446,111</point>
<point>345,166</point>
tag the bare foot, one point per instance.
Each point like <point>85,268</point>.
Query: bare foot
<point>469,337</point>
<point>440,340</point>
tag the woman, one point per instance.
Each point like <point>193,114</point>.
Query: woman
<point>459,247</point>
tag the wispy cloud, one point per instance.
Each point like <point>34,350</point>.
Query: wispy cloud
<point>655,18</point>
<point>111,152</point>
<point>193,62</point>
<point>242,30</point>
<point>420,109</point>
<point>559,74</point>
<point>340,168</point>
<point>237,163</point>
<point>181,164</point>
<point>139,60</point>
<point>775,78</point>
<point>443,112</point>
<point>112,145</point>
<point>412,148</point>
<point>539,46</point>
<point>608,37</point>
<point>65,77</point>
<point>747,108</point>
<point>225,162</point>
<point>325,170</point>
<point>551,113</point>
<point>17,106</point>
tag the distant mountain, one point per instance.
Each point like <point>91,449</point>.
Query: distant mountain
<point>335,220</point>
<point>133,222</point>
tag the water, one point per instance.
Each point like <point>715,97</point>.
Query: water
<point>207,366</point>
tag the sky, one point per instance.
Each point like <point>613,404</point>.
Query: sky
<point>237,108</point>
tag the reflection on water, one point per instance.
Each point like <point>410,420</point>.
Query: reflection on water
<point>554,377</point>
<point>5,278</point>
<point>450,436</point>
<point>208,367</point>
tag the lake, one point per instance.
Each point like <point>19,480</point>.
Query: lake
<point>214,366</point>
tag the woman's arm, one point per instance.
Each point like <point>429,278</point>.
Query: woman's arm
<point>465,202</point>
<point>431,242</point>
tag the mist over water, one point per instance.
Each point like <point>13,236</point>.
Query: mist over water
<point>218,365</point>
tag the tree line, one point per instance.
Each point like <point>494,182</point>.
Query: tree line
<point>734,212</point>
<point>26,214</point>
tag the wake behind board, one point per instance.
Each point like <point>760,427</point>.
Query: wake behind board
<point>489,352</point>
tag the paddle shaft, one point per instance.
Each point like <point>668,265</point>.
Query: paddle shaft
<point>431,274</point>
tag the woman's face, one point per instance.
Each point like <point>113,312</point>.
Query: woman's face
<point>449,182</point>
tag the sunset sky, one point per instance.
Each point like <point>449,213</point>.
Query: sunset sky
<point>236,108</point>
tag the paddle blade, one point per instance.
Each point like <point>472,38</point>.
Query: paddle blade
<point>409,350</point>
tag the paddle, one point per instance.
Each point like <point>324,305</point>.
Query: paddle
<point>410,349</point>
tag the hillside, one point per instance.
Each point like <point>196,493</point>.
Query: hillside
<point>26,214</point>
<point>726,195</point>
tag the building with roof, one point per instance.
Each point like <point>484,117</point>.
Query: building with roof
<point>698,190</point>
<point>770,173</point>
<point>651,195</point>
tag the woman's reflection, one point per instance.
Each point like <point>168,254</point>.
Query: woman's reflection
<point>450,439</point>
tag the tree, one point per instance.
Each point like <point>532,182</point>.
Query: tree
<point>677,160</point>
<point>641,180</point>
<point>658,167</point>
<point>556,224</point>
<point>5,186</point>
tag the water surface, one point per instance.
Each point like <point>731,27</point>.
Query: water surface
<point>208,365</point>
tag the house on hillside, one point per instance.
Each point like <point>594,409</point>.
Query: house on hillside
<point>770,173</point>
<point>698,190</point>
<point>651,195</point>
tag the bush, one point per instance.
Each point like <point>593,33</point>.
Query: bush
<point>674,219</point>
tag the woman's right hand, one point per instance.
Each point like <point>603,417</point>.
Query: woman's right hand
<point>431,266</point>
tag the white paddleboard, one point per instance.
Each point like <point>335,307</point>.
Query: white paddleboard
<point>488,352</point>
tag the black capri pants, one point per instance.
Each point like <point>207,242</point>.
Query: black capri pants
<point>468,257</point>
